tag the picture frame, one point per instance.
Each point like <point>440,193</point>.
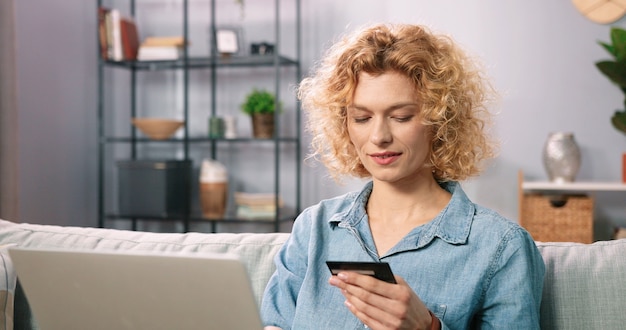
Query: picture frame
<point>227,40</point>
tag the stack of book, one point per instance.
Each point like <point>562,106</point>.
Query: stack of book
<point>161,48</point>
<point>256,206</point>
<point>119,39</point>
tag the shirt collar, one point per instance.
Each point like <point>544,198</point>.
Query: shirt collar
<point>452,224</point>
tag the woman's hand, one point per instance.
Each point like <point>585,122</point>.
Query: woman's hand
<point>382,305</point>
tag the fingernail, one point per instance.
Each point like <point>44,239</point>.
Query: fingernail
<point>342,276</point>
<point>347,303</point>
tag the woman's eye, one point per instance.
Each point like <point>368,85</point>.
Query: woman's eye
<point>403,119</point>
<point>361,119</point>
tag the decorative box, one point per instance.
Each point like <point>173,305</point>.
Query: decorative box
<point>157,188</point>
<point>563,218</point>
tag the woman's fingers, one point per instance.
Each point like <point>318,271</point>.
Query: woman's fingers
<point>381,305</point>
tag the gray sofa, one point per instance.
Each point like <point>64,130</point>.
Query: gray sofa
<point>585,285</point>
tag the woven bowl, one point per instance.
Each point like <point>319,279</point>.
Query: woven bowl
<point>157,128</point>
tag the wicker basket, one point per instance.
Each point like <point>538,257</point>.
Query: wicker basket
<point>557,219</point>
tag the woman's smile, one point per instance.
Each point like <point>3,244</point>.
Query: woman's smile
<point>385,158</point>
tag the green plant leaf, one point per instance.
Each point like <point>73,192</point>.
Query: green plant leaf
<point>619,121</point>
<point>618,38</point>
<point>259,101</point>
<point>609,48</point>
<point>615,71</point>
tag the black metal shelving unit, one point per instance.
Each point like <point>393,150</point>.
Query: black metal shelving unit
<point>212,62</point>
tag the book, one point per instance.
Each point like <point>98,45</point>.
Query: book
<point>108,24</point>
<point>130,39</point>
<point>116,35</point>
<point>102,32</point>
<point>250,213</point>
<point>164,41</point>
<point>161,48</point>
<point>158,53</point>
<point>257,199</point>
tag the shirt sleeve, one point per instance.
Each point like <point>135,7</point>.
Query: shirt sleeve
<point>514,287</point>
<point>278,306</point>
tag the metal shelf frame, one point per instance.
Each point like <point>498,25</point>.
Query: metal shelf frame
<point>212,62</point>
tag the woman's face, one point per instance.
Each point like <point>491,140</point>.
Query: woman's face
<point>385,127</point>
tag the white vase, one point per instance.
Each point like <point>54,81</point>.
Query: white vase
<point>561,157</point>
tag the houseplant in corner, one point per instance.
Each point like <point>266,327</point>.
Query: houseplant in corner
<point>261,106</point>
<point>615,70</point>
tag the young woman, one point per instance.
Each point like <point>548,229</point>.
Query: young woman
<point>405,108</point>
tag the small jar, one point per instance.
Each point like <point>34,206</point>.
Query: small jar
<point>216,127</point>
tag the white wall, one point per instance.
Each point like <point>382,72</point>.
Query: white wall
<point>540,55</point>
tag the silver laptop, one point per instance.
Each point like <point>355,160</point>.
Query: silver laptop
<point>130,290</point>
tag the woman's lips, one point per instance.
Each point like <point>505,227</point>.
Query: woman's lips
<point>385,158</point>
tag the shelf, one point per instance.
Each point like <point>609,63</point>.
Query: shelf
<point>582,186</point>
<point>121,141</point>
<point>198,140</point>
<point>206,62</point>
<point>555,211</point>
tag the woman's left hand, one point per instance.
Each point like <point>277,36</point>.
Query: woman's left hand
<point>382,305</point>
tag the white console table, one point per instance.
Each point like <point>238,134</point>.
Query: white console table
<point>572,187</point>
<point>553,211</point>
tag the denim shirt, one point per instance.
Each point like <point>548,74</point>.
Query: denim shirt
<point>470,266</point>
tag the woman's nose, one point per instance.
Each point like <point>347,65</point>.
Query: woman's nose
<point>381,132</point>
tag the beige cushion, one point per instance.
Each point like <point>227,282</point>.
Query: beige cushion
<point>256,250</point>
<point>585,284</point>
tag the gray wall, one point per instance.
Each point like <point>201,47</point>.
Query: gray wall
<point>56,87</point>
<point>540,55</point>
<point>8,114</point>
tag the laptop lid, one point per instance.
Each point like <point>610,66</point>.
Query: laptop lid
<point>69,289</point>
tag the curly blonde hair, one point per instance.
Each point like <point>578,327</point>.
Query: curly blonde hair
<point>448,83</point>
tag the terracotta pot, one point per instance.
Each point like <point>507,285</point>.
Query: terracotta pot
<point>263,125</point>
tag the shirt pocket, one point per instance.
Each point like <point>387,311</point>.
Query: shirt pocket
<point>439,311</point>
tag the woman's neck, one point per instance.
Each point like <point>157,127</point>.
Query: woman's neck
<point>395,210</point>
<point>415,202</point>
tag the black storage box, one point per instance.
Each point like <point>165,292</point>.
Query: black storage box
<point>159,188</point>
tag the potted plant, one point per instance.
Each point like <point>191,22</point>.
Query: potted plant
<point>615,70</point>
<point>261,106</point>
